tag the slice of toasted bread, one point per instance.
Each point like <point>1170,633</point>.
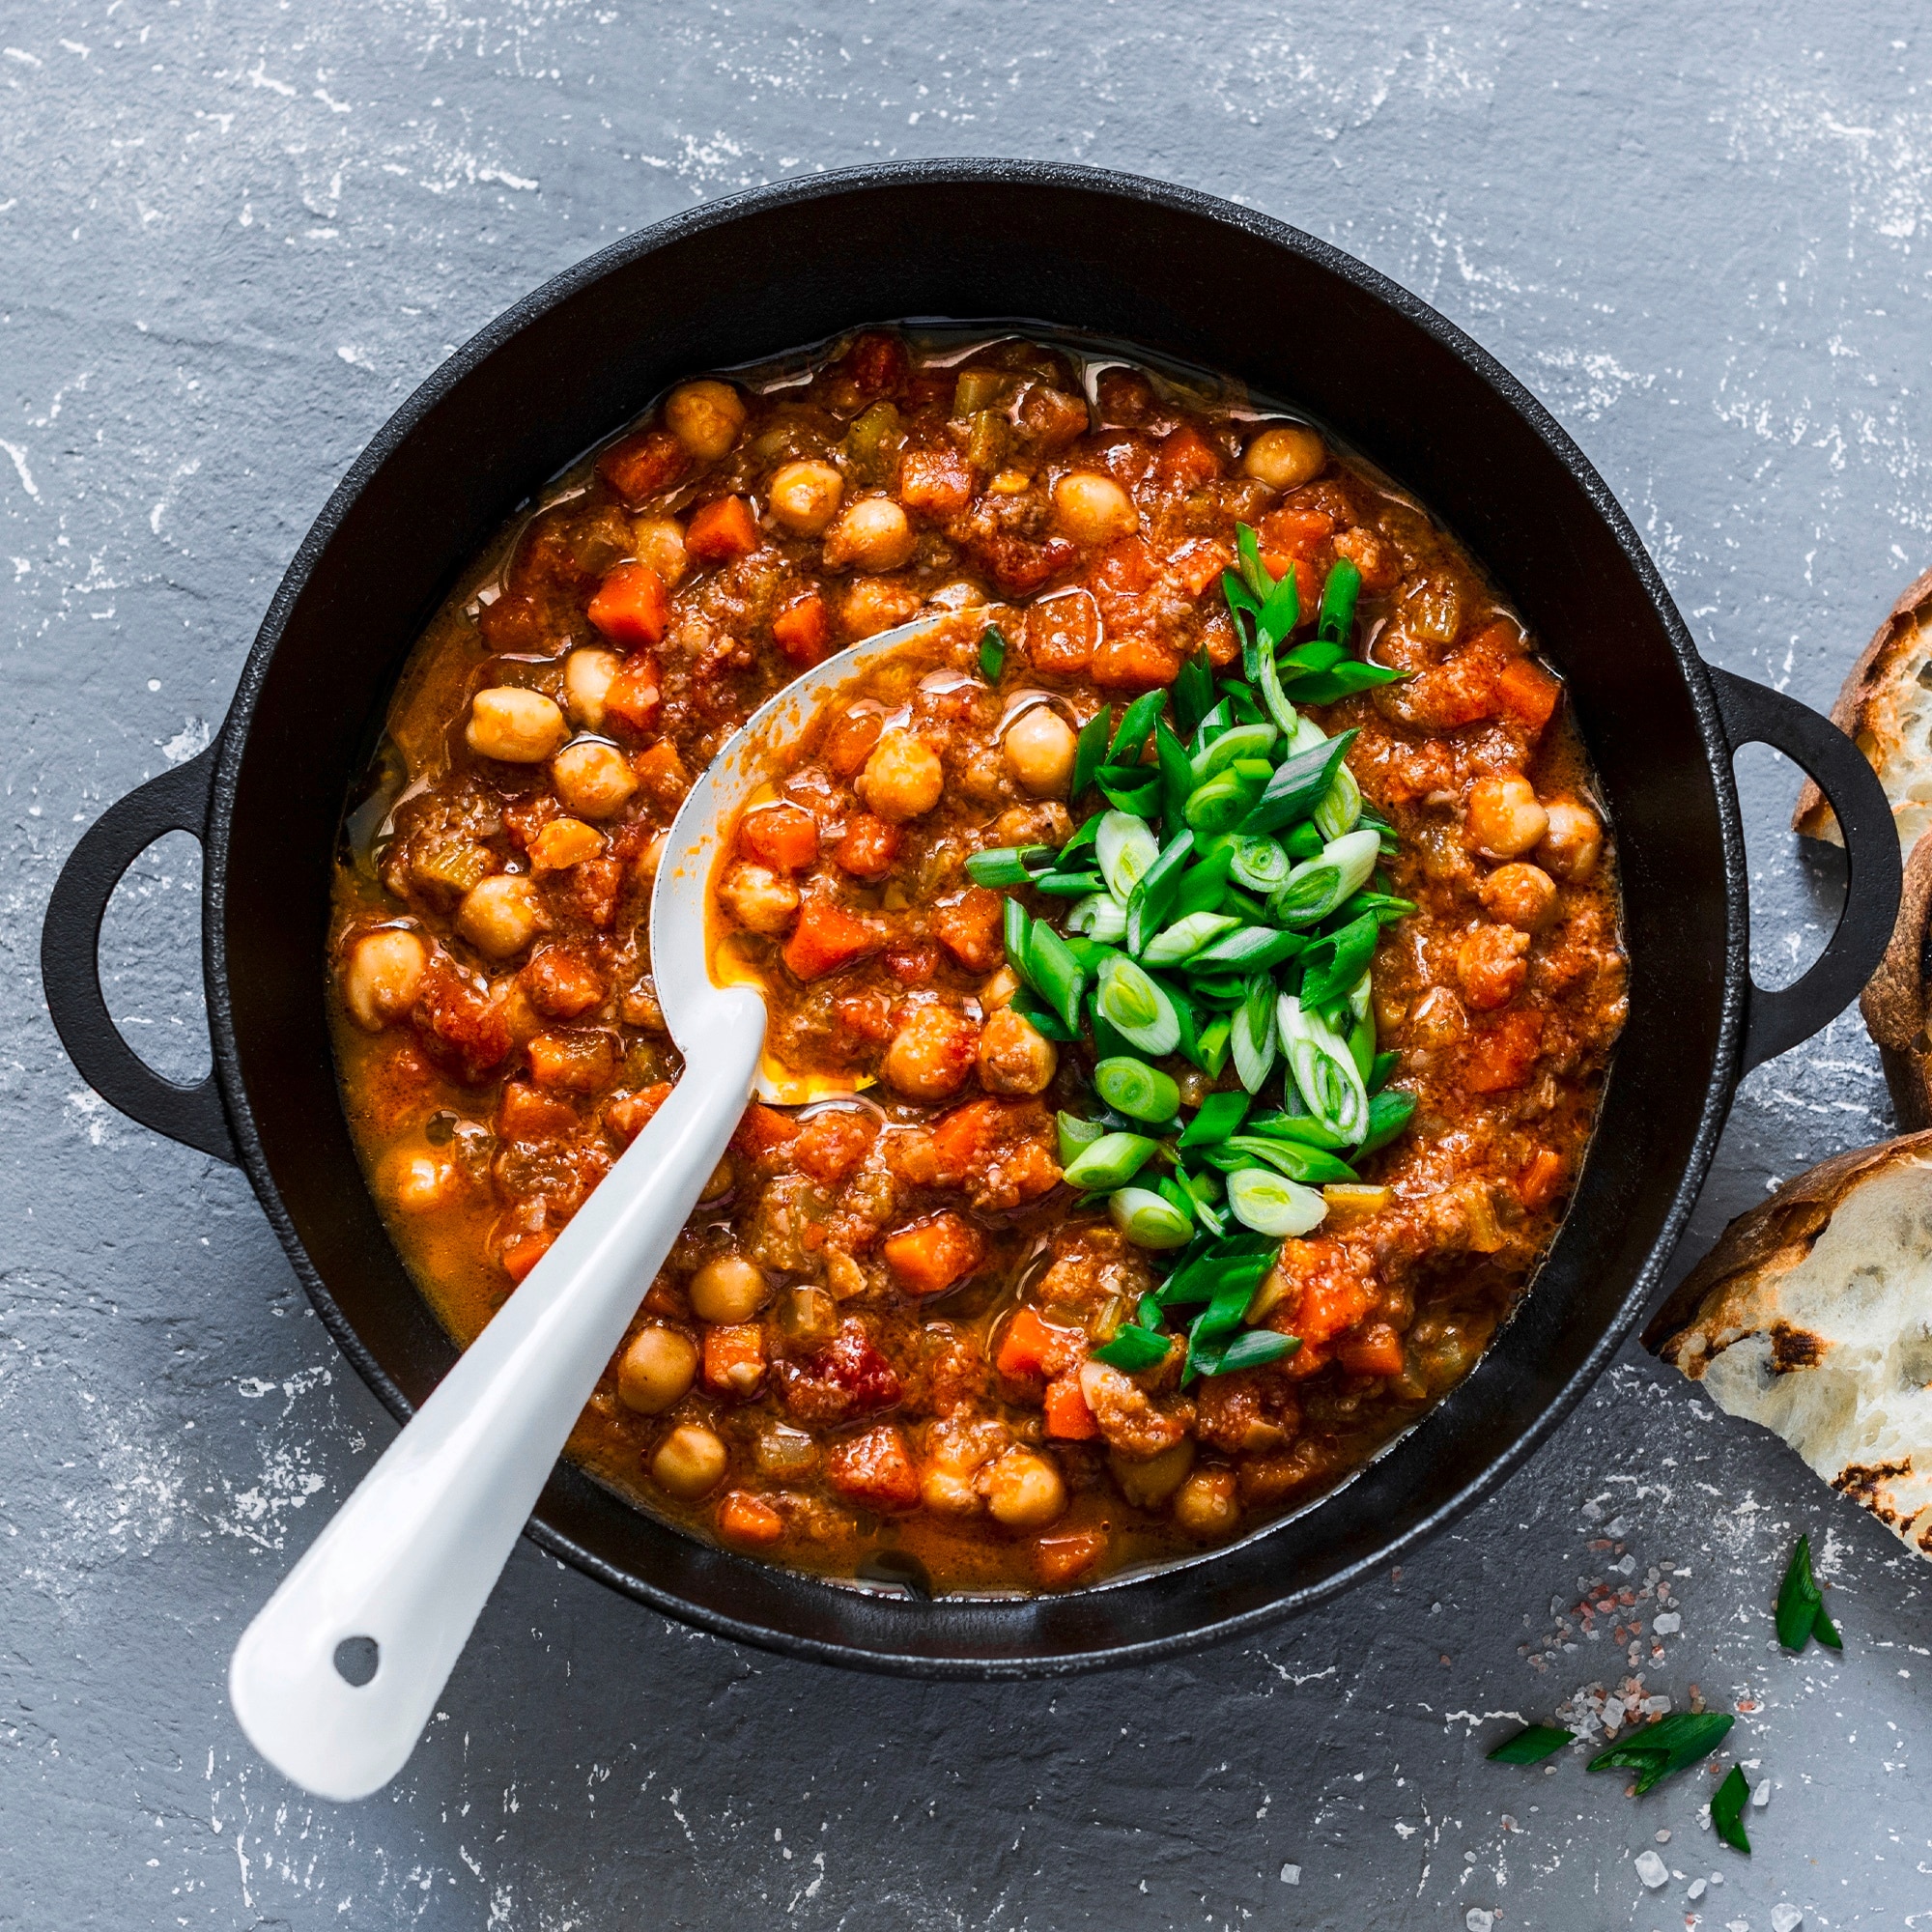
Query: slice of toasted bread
<point>1897,1003</point>
<point>1886,706</point>
<point>1813,1315</point>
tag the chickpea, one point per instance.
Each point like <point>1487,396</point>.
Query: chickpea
<point>1504,818</point>
<point>999,991</point>
<point>659,542</point>
<point>1039,747</point>
<point>931,1055</point>
<point>1518,894</point>
<point>655,1369</point>
<point>728,1288</point>
<point>593,780</point>
<point>948,1491</point>
<point>419,1183</point>
<point>644,867</point>
<point>500,916</point>
<point>903,778</point>
<point>1574,841</point>
<point>1205,1504</point>
<point>873,534</point>
<point>1014,1056</point>
<point>1491,966</point>
<point>805,495</point>
<point>522,727</point>
<point>587,683</point>
<point>723,1178</point>
<point>705,417</point>
<point>562,844</point>
<point>1286,456</point>
<point>690,1462</point>
<point>1094,509</point>
<point>384,972</point>
<point>1150,1481</point>
<point>759,898</point>
<point>1025,1490</point>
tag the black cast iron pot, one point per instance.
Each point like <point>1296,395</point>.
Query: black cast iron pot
<point>1196,279</point>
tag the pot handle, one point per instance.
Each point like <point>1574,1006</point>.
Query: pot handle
<point>177,801</point>
<point>1753,714</point>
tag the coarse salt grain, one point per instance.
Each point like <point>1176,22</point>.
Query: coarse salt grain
<point>1667,1623</point>
<point>1785,1917</point>
<point>1760,1798</point>
<point>1652,1869</point>
<point>1696,1888</point>
<point>1477,1919</point>
<point>1291,1874</point>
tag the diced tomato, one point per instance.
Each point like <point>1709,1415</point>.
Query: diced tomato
<point>642,464</point>
<point>661,772</point>
<point>746,1519</point>
<point>868,847</point>
<point>832,1146</point>
<point>879,365</point>
<point>1332,1294</point>
<point>846,1377</point>
<point>1068,1419</point>
<point>826,939</point>
<point>874,1469</point>
<point>1062,632</point>
<point>969,927</point>
<point>782,837</point>
<point>734,1358</point>
<point>628,1115</point>
<point>579,1063</point>
<point>1291,533</point>
<point>1059,1559</point>
<point>935,483</point>
<point>636,694</point>
<point>911,965</point>
<point>803,629</point>
<point>1529,693</point>
<point>1541,1179</point>
<point>1373,1349</point>
<point>1503,1056</point>
<point>521,1255</point>
<point>849,743</point>
<point>720,532</point>
<point>463,1029</point>
<point>526,1113</point>
<point>762,1131</point>
<point>632,606</point>
<point>935,1254</point>
<point>1187,459</point>
<point>1134,660</point>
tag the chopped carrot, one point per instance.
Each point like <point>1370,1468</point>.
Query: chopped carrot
<point>961,1138</point>
<point>1126,566</point>
<point>1540,1179</point>
<point>734,1358</point>
<point>1059,1559</point>
<point>1068,1419</point>
<point>1030,1346</point>
<point>1134,660</point>
<point>628,1115</point>
<point>764,1130</point>
<point>1502,1058</point>
<point>1062,632</point>
<point>936,483</point>
<point>661,772</point>
<point>1529,693</point>
<point>632,606</point>
<point>722,533</point>
<point>642,464</point>
<point>782,837</point>
<point>522,1254</point>
<point>743,1517</point>
<point>636,694</point>
<point>1187,458</point>
<point>526,1113</point>
<point>935,1254</point>
<point>827,940</point>
<point>1291,533</point>
<point>581,1062</point>
<point>803,629</point>
<point>868,847</point>
<point>1373,1349</point>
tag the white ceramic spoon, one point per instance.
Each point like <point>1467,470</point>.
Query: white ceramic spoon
<point>410,1559</point>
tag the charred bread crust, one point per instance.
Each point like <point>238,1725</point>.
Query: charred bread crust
<point>1894,1003</point>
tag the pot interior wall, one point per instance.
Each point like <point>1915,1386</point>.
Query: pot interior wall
<point>1190,279</point>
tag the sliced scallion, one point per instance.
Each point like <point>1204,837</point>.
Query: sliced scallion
<point>1389,1113</point>
<point>1270,1204</point>
<point>1136,725</point>
<point>1202,885</point>
<point>1253,1032</point>
<point>1210,1050</point>
<point>1220,1115</point>
<point>1243,741</point>
<point>1259,863</point>
<point>1249,949</point>
<point>1125,848</point>
<point>1090,748</point>
<point>1312,1166</point>
<point>1150,1220</point>
<point>1299,784</point>
<point>1007,865</point>
<point>1141,1092</point>
<point>1075,1135</point>
<point>1056,974</point>
<point>1338,601</point>
<point>1136,1006</point>
<point>1099,916</point>
<point>1326,1074</point>
<point>1068,885</point>
<point>1133,1350</point>
<point>992,653</point>
<point>1154,893</point>
<point>1341,807</point>
<point>1109,1162</point>
<point>1185,937</point>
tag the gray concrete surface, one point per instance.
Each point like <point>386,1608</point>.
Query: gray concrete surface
<point>233,235</point>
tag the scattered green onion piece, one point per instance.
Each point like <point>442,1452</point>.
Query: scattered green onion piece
<point>1202,884</point>
<point>1176,774</point>
<point>1220,1115</point>
<point>1380,1068</point>
<point>1270,1204</point>
<point>1389,1112</point>
<point>1280,706</point>
<point>1007,865</point>
<point>1217,806</point>
<point>1253,1350</point>
<point>1248,949</point>
<point>1337,961</point>
<point>1303,1127</point>
<point>1260,863</point>
<point>1185,938</point>
<point>1154,893</point>
<point>1280,612</point>
<point>1100,916</point>
<point>1312,892</point>
<point>1318,654</point>
<point>992,653</point>
<point>1068,885</point>
<point>1727,1810</point>
<point>1136,1006</point>
<point>1055,973</point>
<point>1341,807</point>
<point>1531,1744</point>
<point>1250,571</point>
<point>1801,1604</point>
<point>1243,905</point>
<point>1244,740</point>
<point>1075,1135</point>
<point>1133,1350</point>
<point>1141,1092</point>
<point>1015,926</point>
<point>1090,748</point>
<point>1312,1166</point>
<point>1299,784</point>
<point>1303,842</point>
<point>1385,907</point>
<point>1140,797</point>
<point>1084,835</point>
<point>1213,722</point>
<point>1325,687</point>
<point>1041,1016</point>
<point>1109,1162</point>
<point>1193,692</point>
<point>1253,1034</point>
<point>1212,1048</point>
<point>1150,1220</point>
<point>1125,848</point>
<point>1327,1078</point>
<point>1362,1044</point>
<point>1339,593</point>
<point>1136,724</point>
<point>1662,1749</point>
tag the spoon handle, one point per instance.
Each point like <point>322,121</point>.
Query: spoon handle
<point>410,1558</point>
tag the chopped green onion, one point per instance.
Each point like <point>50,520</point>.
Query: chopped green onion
<point>1531,1744</point>
<point>1084,836</point>
<point>1210,1050</point>
<point>1015,926</point>
<point>1109,1162</point>
<point>1185,937</point>
<point>1303,1127</point>
<point>1253,1032</point>
<point>1176,774</point>
<point>1280,612</point>
<point>1055,973</point>
<point>1154,893</point>
<point>1068,885</point>
<point>1304,841</point>
<point>1342,806</point>
<point>1041,1016</point>
<point>992,653</point>
<point>1312,1166</point>
<point>1280,706</point>
<point>1007,865</point>
<point>1362,1040</point>
<point>1125,848</point>
<point>1202,884</point>
<point>1219,804</point>
<point>1801,1604</point>
<point>1338,601</point>
<point>1252,1350</point>
<point>1316,655</point>
<point>1260,863</point>
<point>1193,692</point>
<point>1662,1749</point>
<point>1337,961</point>
<point>1136,724</point>
<point>1250,949</point>
<point>1319,885</point>
<point>1075,1135</point>
<point>1727,1810</point>
<point>1100,916</point>
<point>1220,1115</point>
<point>1299,784</point>
<point>1328,1080</point>
<point>1389,1112</point>
<point>1137,1008</point>
<point>1251,573</point>
<point>1380,1068</point>
<point>1270,1204</point>
<point>1213,722</point>
<point>1150,1220</point>
<point>1244,740</point>
<point>1138,795</point>
<point>1325,687</point>
<point>1133,1350</point>
<point>1141,1092</point>
<point>1090,748</point>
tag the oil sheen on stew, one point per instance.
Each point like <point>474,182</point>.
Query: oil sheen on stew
<point>895,1339</point>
